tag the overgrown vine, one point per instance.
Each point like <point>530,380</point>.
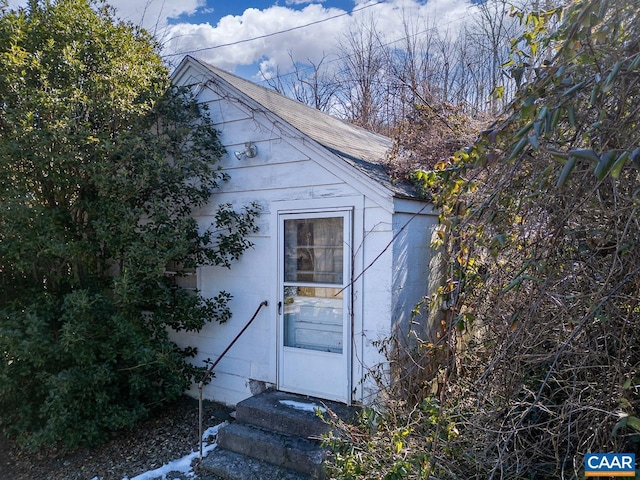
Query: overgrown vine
<point>541,233</point>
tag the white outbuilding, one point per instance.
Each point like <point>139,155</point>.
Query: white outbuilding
<point>342,254</point>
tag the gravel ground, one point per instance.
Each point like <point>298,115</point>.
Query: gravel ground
<point>171,434</point>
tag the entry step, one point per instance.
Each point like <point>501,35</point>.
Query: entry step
<point>227,465</point>
<point>288,451</point>
<point>291,414</point>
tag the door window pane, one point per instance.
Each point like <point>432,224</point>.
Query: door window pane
<point>313,318</point>
<point>314,250</point>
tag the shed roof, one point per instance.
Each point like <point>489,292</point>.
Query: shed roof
<point>364,150</point>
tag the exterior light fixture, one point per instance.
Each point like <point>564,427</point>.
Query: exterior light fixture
<point>250,151</point>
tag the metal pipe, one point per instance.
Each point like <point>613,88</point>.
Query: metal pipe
<point>200,419</point>
<point>207,374</point>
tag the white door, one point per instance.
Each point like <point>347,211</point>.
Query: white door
<point>314,331</point>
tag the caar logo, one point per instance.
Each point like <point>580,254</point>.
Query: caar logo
<point>610,465</point>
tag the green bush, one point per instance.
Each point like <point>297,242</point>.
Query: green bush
<point>77,368</point>
<point>101,165</point>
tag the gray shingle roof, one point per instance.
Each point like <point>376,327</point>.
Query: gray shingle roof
<point>364,150</point>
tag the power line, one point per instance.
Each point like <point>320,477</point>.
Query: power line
<point>401,39</point>
<point>461,18</point>
<point>188,52</point>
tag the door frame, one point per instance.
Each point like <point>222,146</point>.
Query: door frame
<point>347,211</point>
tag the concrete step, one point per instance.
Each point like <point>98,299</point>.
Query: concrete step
<point>276,435</point>
<point>287,451</point>
<point>288,413</point>
<point>226,465</point>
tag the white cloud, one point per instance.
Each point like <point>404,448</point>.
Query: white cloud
<point>15,4</point>
<point>151,14</point>
<point>272,52</point>
<point>310,43</point>
<point>304,43</point>
<point>301,2</point>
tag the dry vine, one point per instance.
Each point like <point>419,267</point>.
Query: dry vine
<point>544,258</point>
<point>537,361</point>
<point>550,372</point>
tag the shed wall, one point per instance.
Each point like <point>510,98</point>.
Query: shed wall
<point>283,172</point>
<point>411,259</point>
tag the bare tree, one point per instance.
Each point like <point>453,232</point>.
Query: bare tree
<point>311,83</point>
<point>378,84</point>
<point>362,75</point>
<point>492,31</point>
<point>412,66</point>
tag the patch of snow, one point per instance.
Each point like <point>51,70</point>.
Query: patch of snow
<point>181,465</point>
<point>212,431</point>
<point>307,407</point>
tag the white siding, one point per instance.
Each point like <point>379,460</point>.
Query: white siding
<point>291,173</point>
<point>411,257</point>
<point>281,174</point>
<point>374,295</point>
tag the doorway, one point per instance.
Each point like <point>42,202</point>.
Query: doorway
<point>313,307</point>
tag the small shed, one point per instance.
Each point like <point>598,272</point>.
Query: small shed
<point>342,254</point>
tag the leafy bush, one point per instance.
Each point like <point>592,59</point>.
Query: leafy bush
<point>101,165</point>
<point>540,224</point>
<point>537,359</point>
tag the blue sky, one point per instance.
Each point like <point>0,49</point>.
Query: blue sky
<point>242,35</point>
<point>214,10</point>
